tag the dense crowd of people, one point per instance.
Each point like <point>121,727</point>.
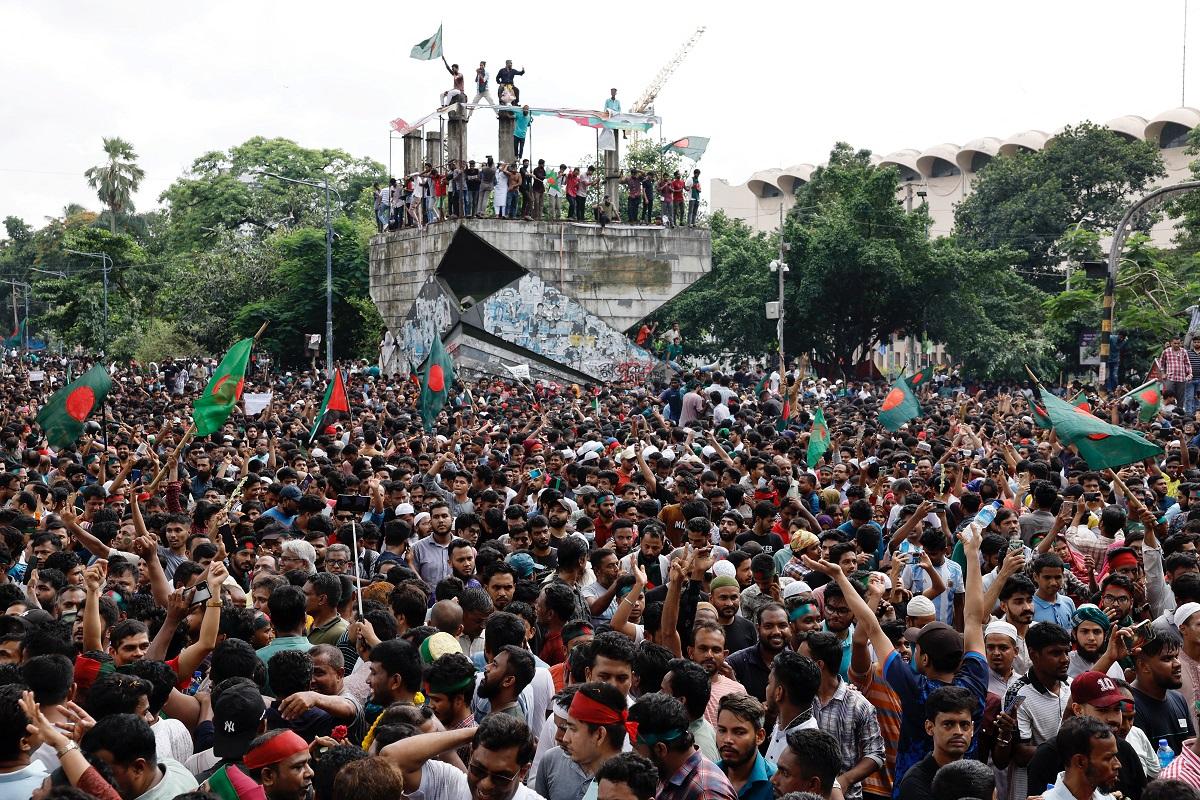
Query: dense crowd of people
<point>618,592</point>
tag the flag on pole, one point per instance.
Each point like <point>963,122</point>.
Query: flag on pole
<point>818,438</point>
<point>1101,445</point>
<point>518,371</point>
<point>428,49</point>
<point>899,406</point>
<point>400,126</point>
<point>689,147</point>
<point>14,339</point>
<point>223,391</point>
<point>1043,421</point>
<point>1149,400</point>
<point>920,377</point>
<point>435,382</point>
<point>335,400</point>
<point>67,409</point>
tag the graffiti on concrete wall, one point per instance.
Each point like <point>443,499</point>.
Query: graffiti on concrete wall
<point>533,315</point>
<point>432,314</point>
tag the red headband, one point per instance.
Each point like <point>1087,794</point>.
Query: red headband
<point>593,712</point>
<point>276,749</point>
<point>1122,560</point>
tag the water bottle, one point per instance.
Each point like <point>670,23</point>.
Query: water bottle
<point>986,515</point>
<point>1165,754</point>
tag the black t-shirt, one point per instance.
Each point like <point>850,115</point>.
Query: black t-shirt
<point>1162,719</point>
<point>740,634</point>
<point>1045,765</point>
<point>769,542</point>
<point>473,179</point>
<point>918,781</point>
<point>549,560</point>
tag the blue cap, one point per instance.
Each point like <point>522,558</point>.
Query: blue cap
<point>290,493</point>
<point>524,564</point>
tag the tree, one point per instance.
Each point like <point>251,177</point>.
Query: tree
<point>116,180</point>
<point>1027,201</point>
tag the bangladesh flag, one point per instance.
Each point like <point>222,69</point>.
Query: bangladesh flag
<point>223,391</point>
<point>899,406</point>
<point>335,400</point>
<point>435,382</point>
<point>1042,421</point>
<point>428,49</point>
<point>920,377</point>
<point>818,438</point>
<point>1101,445</point>
<point>14,339</point>
<point>1149,399</point>
<point>67,409</point>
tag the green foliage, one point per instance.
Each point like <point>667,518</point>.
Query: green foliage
<point>1084,177</point>
<point>154,340</point>
<point>116,179</point>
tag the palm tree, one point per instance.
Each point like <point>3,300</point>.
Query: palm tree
<point>116,180</point>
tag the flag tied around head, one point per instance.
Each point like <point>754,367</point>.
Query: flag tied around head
<point>223,391</point>
<point>1149,400</point>
<point>689,147</point>
<point>335,400</point>
<point>899,406</point>
<point>818,438</point>
<point>1101,445</point>
<point>435,382</point>
<point>63,415</point>
<point>428,49</point>
<point>1039,414</point>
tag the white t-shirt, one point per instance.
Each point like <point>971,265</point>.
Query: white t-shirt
<point>440,781</point>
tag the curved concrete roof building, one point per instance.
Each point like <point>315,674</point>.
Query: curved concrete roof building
<point>764,183</point>
<point>1130,126</point>
<point>905,161</point>
<point>1026,140</point>
<point>790,178</point>
<point>939,161</point>
<point>1171,128</point>
<point>975,154</point>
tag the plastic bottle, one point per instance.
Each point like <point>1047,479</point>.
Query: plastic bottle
<point>1165,754</point>
<point>986,515</point>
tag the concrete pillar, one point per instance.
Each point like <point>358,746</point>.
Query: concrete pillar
<point>456,136</point>
<point>412,152</point>
<point>612,172</point>
<point>507,122</point>
<point>433,148</point>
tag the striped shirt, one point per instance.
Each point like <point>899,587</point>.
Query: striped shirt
<point>1175,364</point>
<point>1038,721</point>
<point>721,686</point>
<point>887,713</point>
<point>850,718</point>
<point>1185,767</point>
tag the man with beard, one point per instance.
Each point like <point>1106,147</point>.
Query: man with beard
<point>504,678</point>
<point>1089,751</point>
<point>559,515</point>
<point>1159,709</point>
<point>540,545</point>
<point>725,594</point>
<point>606,515</point>
<point>1044,694</point>
<point>1095,695</point>
<point>623,535</point>
<point>949,723</point>
<point>740,733</point>
<point>395,675</point>
<point>1188,616</point>
<point>501,753</point>
<point>662,736</point>
<point>752,665</point>
<point>429,556</point>
<point>1016,602</point>
<point>593,732</point>
<point>1089,633</point>
<point>791,689</point>
<point>500,582</point>
<point>708,650</point>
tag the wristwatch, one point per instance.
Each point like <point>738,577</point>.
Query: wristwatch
<point>66,748</point>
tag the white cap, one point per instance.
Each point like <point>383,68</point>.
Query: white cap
<point>649,450</point>
<point>588,447</point>
<point>405,508</point>
<point>568,453</point>
<point>921,606</point>
<point>318,453</point>
<point>794,588</point>
<point>668,454</point>
<point>628,453</point>
<point>708,451</point>
<point>724,567</point>
<point>1001,626</point>
<point>1184,611</point>
<point>590,455</point>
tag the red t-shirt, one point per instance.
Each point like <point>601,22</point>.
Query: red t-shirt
<point>677,190</point>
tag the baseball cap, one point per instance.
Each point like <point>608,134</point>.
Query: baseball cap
<point>524,564</point>
<point>237,711</point>
<point>290,493</point>
<point>1096,689</point>
<point>935,639</point>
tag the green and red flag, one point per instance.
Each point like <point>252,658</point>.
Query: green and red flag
<point>435,382</point>
<point>335,400</point>
<point>14,339</point>
<point>67,409</point>
<point>899,406</point>
<point>1149,400</point>
<point>1039,414</point>
<point>818,438</point>
<point>920,377</point>
<point>1101,445</point>
<point>223,391</point>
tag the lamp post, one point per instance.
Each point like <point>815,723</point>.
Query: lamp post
<point>105,266</point>
<point>324,186</point>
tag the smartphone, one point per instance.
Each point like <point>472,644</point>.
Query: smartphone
<point>304,484</point>
<point>201,595</point>
<point>1014,705</point>
<point>1068,507</point>
<point>1091,496</point>
<point>534,474</point>
<point>30,568</point>
<point>1015,544</point>
<point>354,503</point>
<point>1142,633</point>
<point>135,475</point>
<point>937,505</point>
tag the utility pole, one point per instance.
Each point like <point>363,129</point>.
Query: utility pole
<point>780,267</point>
<point>908,196</point>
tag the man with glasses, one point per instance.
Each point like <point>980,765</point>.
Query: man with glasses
<point>501,753</point>
<point>337,559</point>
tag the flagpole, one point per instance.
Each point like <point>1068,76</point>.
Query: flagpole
<point>357,567</point>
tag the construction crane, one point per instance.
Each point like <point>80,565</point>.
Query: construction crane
<point>645,103</point>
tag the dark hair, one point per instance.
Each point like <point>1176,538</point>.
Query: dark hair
<point>614,646</point>
<point>966,778</point>
<point>1046,634</point>
<point>571,552</point>
<point>475,600</point>
<point>410,603</point>
<point>818,754</point>
<point>636,772</point>
<point>1163,643</point>
<point>521,664</point>
<point>162,680</point>
<point>1046,561</point>
<point>948,699</point>
<point>502,629</point>
<point>328,584</point>
<point>398,657</point>
<point>609,696</point>
<point>327,766</point>
<point>287,607</point>
<point>826,650</point>
<point>127,737</point>
<point>499,732</point>
<point>650,665</point>
<point>1076,735</point>
<point>49,677</point>
<point>452,669</point>
<point>232,658</point>
<point>12,720</point>
<point>1017,584</point>
<point>117,693</point>
<point>560,600</point>
<point>291,671</point>
<point>690,684</point>
<point>797,675</point>
<point>658,714</point>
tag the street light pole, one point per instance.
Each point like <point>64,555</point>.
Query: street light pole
<point>105,266</point>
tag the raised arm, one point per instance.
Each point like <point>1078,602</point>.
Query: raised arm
<point>620,620</point>
<point>973,609</point>
<point>669,625</point>
<point>93,627</point>
<point>863,614</point>
<point>411,754</point>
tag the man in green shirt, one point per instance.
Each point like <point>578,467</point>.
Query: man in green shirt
<point>322,595</point>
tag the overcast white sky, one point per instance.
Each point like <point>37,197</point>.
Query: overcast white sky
<point>772,83</point>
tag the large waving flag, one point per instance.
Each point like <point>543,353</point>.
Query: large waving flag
<point>1101,445</point>
<point>899,406</point>
<point>435,382</point>
<point>335,400</point>
<point>428,49</point>
<point>689,147</point>
<point>1043,421</point>
<point>67,409</point>
<point>1149,400</point>
<point>818,439</point>
<point>223,391</point>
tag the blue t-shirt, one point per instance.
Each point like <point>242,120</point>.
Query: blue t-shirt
<point>1059,612</point>
<point>521,127</point>
<point>913,690</point>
